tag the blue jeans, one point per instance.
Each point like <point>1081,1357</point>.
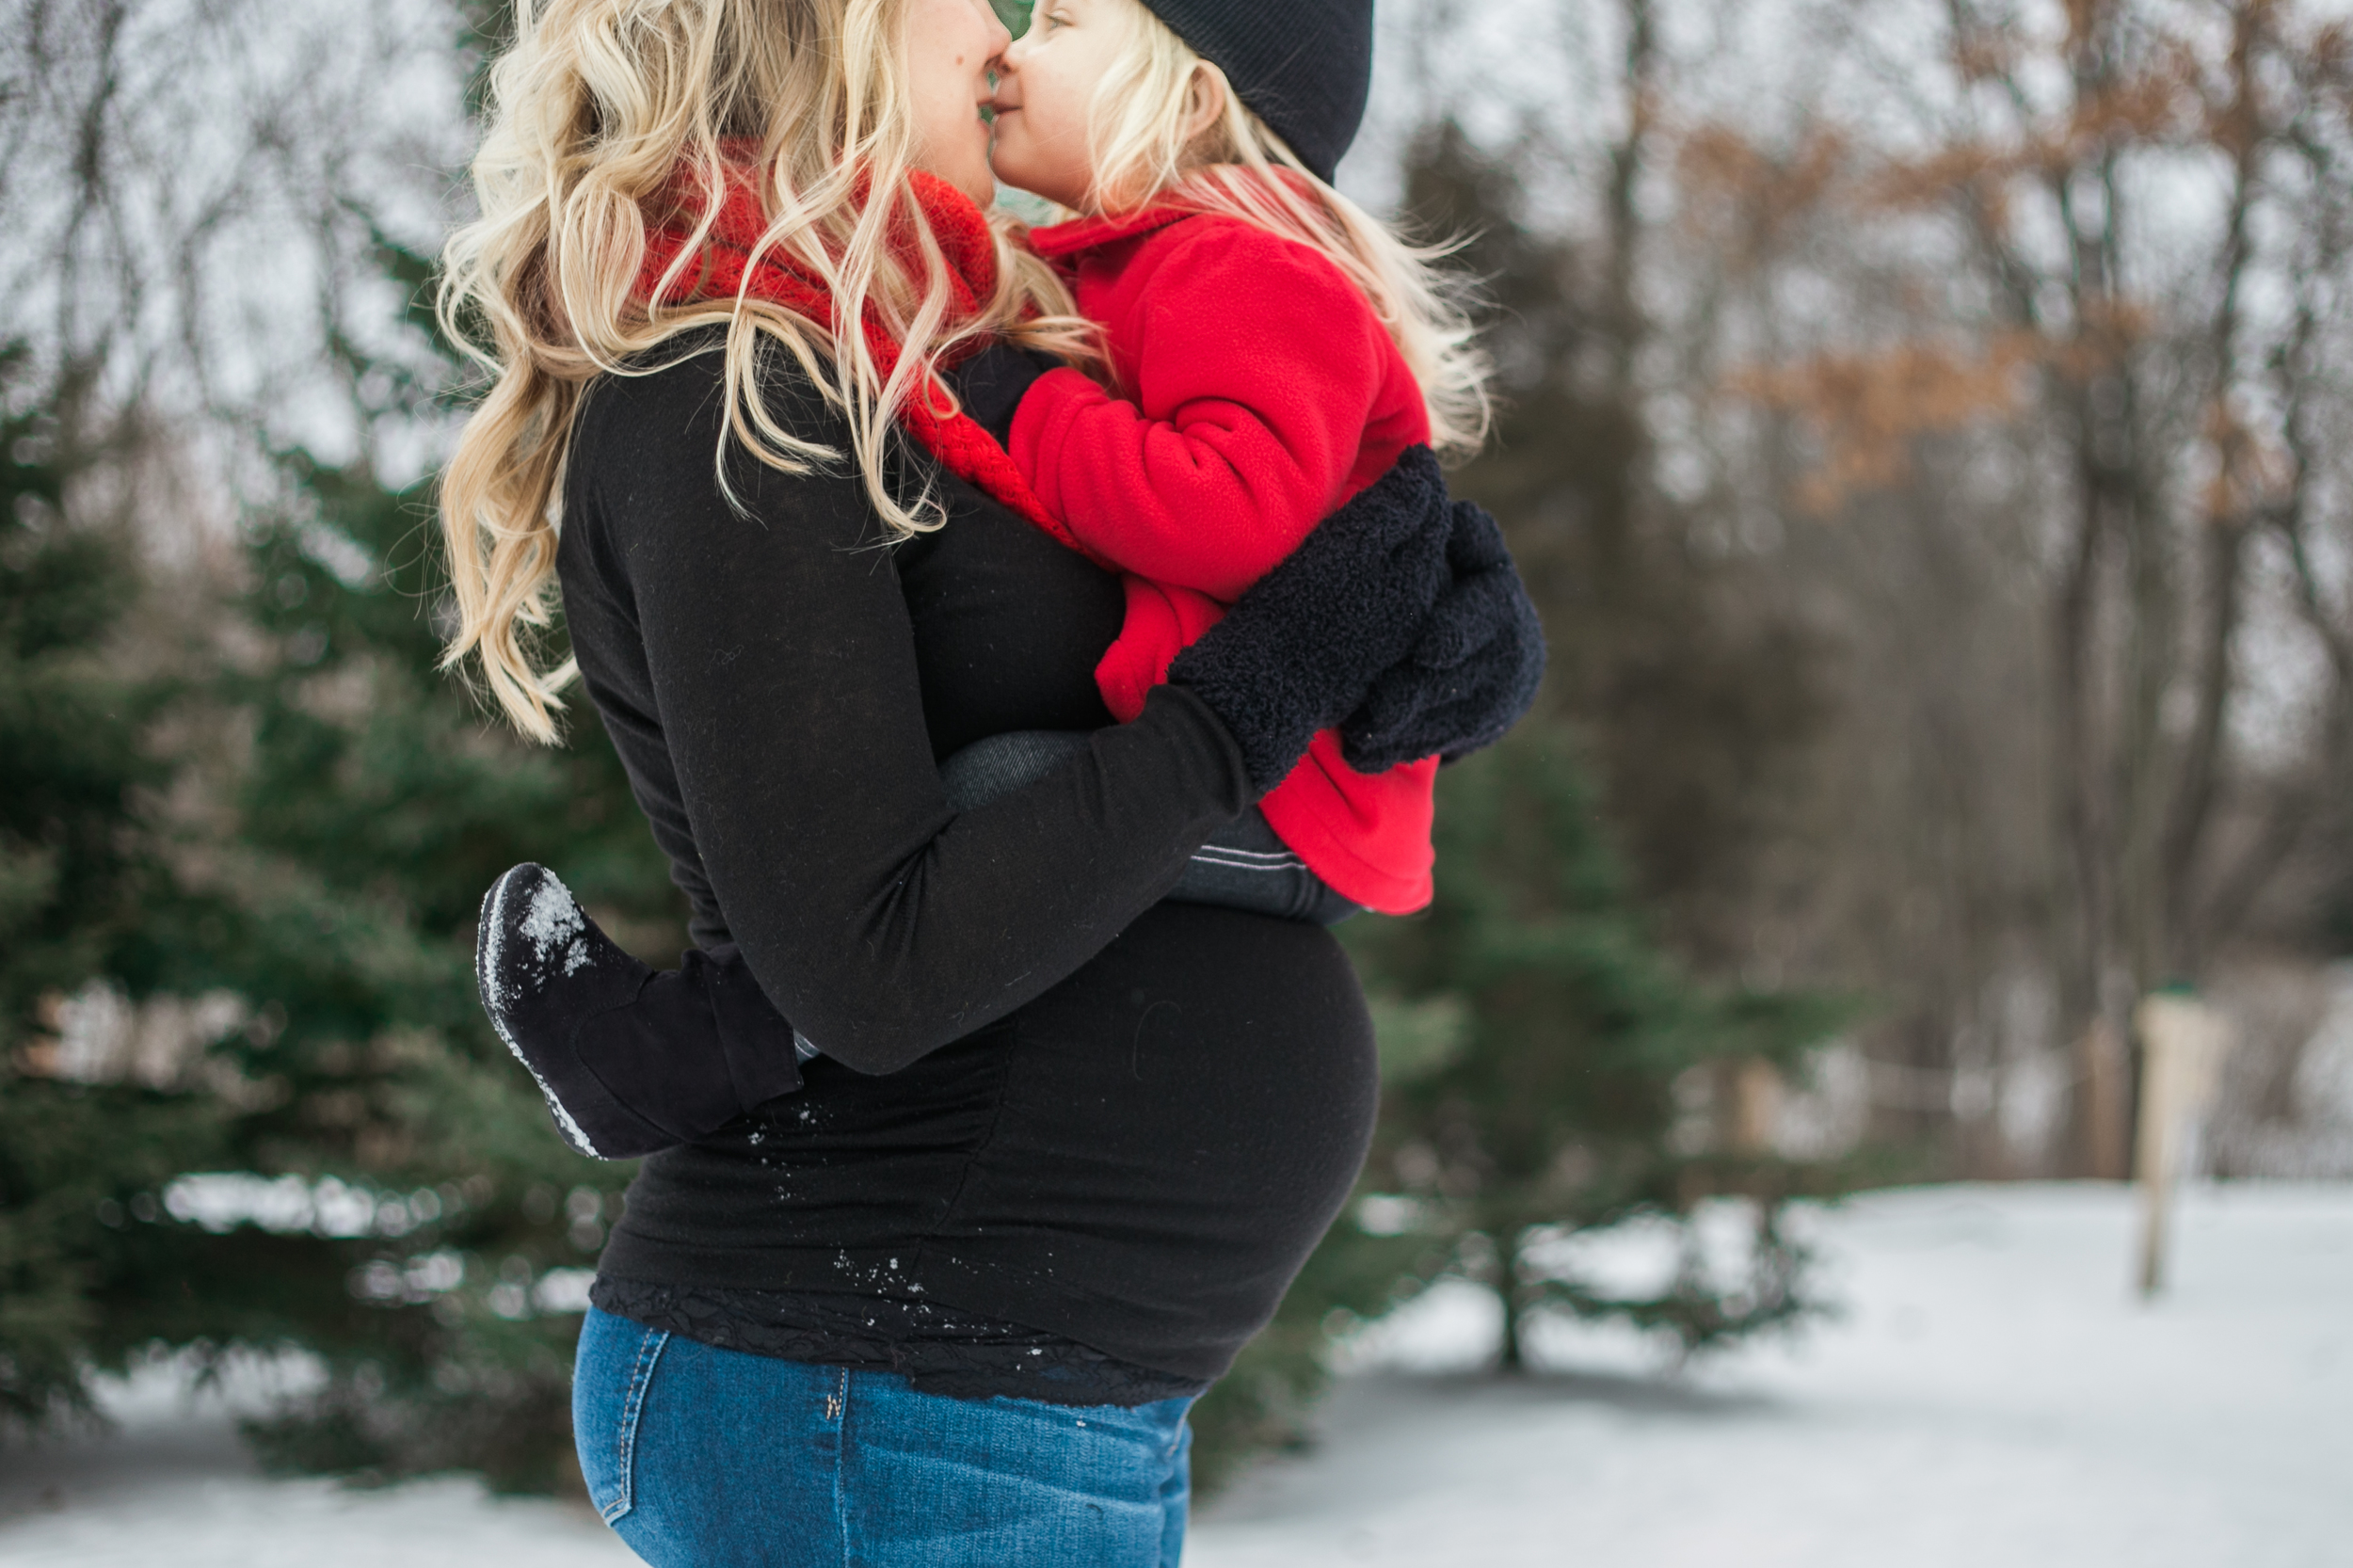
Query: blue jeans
<point>708,1458</point>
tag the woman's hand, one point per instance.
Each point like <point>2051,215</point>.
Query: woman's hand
<point>1473,671</point>
<point>1299,652</point>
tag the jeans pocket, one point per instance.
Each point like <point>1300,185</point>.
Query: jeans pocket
<point>613,1369</point>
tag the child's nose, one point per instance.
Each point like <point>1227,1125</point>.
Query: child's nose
<point>999,34</point>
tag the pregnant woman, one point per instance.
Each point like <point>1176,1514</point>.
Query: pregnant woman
<point>1066,1144</point>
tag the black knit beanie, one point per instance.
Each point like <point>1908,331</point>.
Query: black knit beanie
<point>1303,66</point>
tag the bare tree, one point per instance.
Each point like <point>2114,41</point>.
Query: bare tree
<point>1995,352</point>
<point>197,191</point>
<point>2174,422</point>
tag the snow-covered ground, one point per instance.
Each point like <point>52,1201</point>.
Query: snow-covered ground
<point>1991,1395</point>
<point>174,1489</point>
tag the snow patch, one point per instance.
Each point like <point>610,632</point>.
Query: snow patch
<point>554,921</point>
<point>222,1200</point>
<point>563,1289</point>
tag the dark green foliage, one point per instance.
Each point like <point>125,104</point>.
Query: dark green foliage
<point>337,809</point>
<point>79,1167</point>
<point>69,728</point>
<point>1584,985</point>
<point>362,806</point>
<point>375,805</point>
<point>73,883</point>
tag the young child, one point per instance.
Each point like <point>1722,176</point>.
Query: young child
<point>1271,348</point>
<point>1270,352</point>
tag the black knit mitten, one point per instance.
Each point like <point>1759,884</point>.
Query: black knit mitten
<point>1472,672</point>
<point>1298,651</point>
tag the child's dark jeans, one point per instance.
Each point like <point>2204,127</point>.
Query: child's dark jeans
<point>1242,867</point>
<point>649,1056</point>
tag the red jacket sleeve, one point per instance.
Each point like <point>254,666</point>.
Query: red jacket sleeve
<point>1256,364</point>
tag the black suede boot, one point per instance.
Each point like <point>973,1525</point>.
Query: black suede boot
<point>630,1061</point>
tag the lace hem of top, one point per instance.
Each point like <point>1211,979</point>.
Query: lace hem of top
<point>938,1348</point>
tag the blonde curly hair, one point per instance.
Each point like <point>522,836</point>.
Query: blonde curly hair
<point>594,110</point>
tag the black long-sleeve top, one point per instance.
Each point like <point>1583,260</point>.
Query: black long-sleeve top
<point>1043,1098</point>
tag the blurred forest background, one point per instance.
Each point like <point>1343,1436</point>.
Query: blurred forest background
<point>1928,439</point>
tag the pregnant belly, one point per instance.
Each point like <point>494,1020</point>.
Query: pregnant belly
<point>1179,1123</point>
<point>1141,1160</point>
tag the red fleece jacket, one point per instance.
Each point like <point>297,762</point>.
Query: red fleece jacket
<point>1262,392</point>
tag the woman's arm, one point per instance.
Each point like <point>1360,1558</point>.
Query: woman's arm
<point>780,666</point>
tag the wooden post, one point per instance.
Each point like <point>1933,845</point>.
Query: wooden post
<point>1755,1110</point>
<point>2183,1042</point>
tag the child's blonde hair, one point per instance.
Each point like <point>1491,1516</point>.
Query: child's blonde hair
<point>1239,167</point>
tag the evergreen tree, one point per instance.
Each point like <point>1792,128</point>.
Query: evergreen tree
<point>375,803</point>
<point>386,1191</point>
<point>1550,1107</point>
<point>75,1160</point>
<point>1532,1029</point>
<point>375,806</point>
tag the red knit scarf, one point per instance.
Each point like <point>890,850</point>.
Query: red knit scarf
<point>964,238</point>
